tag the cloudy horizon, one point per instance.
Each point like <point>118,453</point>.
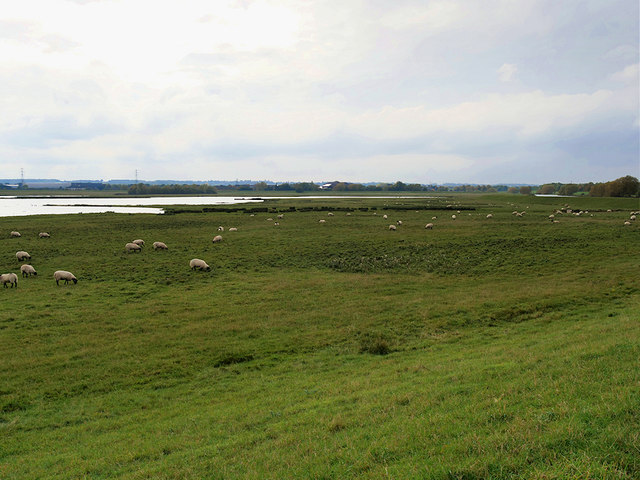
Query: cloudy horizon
<point>425,92</point>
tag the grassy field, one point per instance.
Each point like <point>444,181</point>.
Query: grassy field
<point>482,349</point>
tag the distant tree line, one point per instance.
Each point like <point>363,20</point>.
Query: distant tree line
<point>190,189</point>
<point>621,187</point>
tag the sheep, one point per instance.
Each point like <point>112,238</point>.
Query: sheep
<point>44,235</point>
<point>64,275</point>
<point>11,278</point>
<point>281,216</point>
<point>453,217</point>
<point>433,218</point>
<point>197,264</point>
<point>15,234</point>
<point>489,215</point>
<point>233,229</point>
<point>551,217</point>
<point>269,219</point>
<point>132,247</point>
<point>221,228</point>
<point>632,217</point>
<point>385,216</point>
<point>399,222</point>
<point>22,256</point>
<point>392,227</point>
<point>28,270</point>
<point>348,214</point>
<point>330,214</point>
<point>322,221</point>
<point>217,239</point>
<point>429,226</point>
<point>276,223</point>
<point>139,242</point>
<point>627,223</point>
<point>160,246</point>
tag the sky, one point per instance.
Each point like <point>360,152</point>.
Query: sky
<point>461,91</point>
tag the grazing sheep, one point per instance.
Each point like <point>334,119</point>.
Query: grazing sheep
<point>429,226</point>
<point>627,223</point>
<point>160,246</point>
<point>281,216</point>
<point>399,222</point>
<point>132,247</point>
<point>15,234</point>
<point>233,229</point>
<point>252,215</point>
<point>11,278</point>
<point>22,256</point>
<point>217,239</point>
<point>221,228</point>
<point>632,217</point>
<point>43,235</point>
<point>453,217</point>
<point>197,264</point>
<point>392,227</point>
<point>322,221</point>
<point>28,270</point>
<point>64,275</point>
<point>330,214</point>
<point>385,216</point>
<point>551,217</point>
<point>489,215</point>
<point>139,242</point>
<point>269,219</point>
<point>348,214</point>
<point>276,223</point>
<point>433,218</point>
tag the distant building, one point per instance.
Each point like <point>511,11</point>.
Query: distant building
<point>328,186</point>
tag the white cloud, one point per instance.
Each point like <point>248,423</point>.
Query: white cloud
<point>628,75</point>
<point>507,71</point>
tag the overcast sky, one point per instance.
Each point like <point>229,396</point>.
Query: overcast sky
<point>491,91</point>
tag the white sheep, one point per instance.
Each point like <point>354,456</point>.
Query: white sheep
<point>453,217</point>
<point>15,234</point>
<point>221,228</point>
<point>385,216</point>
<point>233,229</point>
<point>348,214</point>
<point>627,223</point>
<point>22,256</point>
<point>160,246</point>
<point>429,226</point>
<point>399,222</point>
<point>11,278</point>
<point>139,242</point>
<point>322,221</point>
<point>551,217</point>
<point>489,215</point>
<point>27,270</point>
<point>392,227</point>
<point>197,264</point>
<point>132,247</point>
<point>276,223</point>
<point>632,217</point>
<point>281,216</point>
<point>64,275</point>
<point>433,218</point>
<point>330,214</point>
<point>44,235</point>
<point>217,239</point>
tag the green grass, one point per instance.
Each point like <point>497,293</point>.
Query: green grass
<point>485,348</point>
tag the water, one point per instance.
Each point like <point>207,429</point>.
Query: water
<point>47,205</point>
<point>20,206</point>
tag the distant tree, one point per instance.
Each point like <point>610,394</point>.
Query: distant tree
<point>512,190</point>
<point>525,190</point>
<point>621,187</point>
<point>568,189</point>
<point>547,189</point>
<point>261,186</point>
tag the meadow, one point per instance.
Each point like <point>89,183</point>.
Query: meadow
<point>486,348</point>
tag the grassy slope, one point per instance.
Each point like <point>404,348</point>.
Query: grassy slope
<point>514,345</point>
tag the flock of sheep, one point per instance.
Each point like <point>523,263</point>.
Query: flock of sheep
<point>27,270</point>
